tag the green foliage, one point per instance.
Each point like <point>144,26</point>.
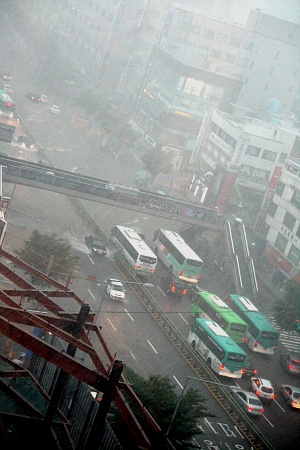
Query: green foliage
<point>49,254</point>
<point>156,161</point>
<point>287,312</point>
<point>159,397</point>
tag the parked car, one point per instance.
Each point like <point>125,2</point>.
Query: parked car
<point>247,401</point>
<point>44,98</point>
<point>262,388</point>
<point>55,109</point>
<point>174,286</point>
<point>95,244</point>
<point>249,369</point>
<point>291,394</point>
<point>33,97</point>
<point>6,88</point>
<point>6,75</point>
<point>27,140</point>
<point>290,361</point>
<point>115,289</point>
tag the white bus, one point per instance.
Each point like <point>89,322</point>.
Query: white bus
<point>177,256</point>
<point>136,252</point>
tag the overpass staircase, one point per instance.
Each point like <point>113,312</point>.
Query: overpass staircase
<point>241,262</point>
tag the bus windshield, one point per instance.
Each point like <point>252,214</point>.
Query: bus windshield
<point>269,335</point>
<point>238,327</point>
<point>193,262</point>
<point>236,357</point>
<point>147,259</point>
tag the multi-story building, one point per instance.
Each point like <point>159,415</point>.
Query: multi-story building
<point>243,157</point>
<point>282,232</point>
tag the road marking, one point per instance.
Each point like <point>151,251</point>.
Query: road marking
<point>183,318</point>
<point>279,406</point>
<point>112,325</point>
<point>268,421</point>
<point>132,354</point>
<point>152,346</point>
<point>179,384</point>
<point>92,294</point>
<point>161,291</point>
<point>129,315</point>
<point>91,259</point>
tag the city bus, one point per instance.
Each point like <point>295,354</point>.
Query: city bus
<point>135,251</point>
<point>210,306</point>
<point>261,337</point>
<point>221,353</point>
<point>177,256</point>
<point>7,106</point>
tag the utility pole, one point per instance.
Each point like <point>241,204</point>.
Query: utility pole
<point>97,431</point>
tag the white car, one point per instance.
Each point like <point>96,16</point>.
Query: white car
<point>45,99</point>
<point>115,289</point>
<point>55,109</point>
<point>262,388</point>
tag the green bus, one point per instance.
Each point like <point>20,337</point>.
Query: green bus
<point>7,106</point>
<point>261,337</point>
<point>214,345</point>
<point>210,306</point>
<point>177,256</point>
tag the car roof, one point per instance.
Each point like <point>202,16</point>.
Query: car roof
<point>115,281</point>
<point>263,381</point>
<point>294,388</point>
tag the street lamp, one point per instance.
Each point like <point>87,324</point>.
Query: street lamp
<point>181,396</point>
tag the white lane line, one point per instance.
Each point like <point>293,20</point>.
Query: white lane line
<point>112,325</point>
<point>279,406</point>
<point>161,291</point>
<point>179,384</point>
<point>92,294</point>
<point>268,421</point>
<point>183,318</point>
<point>91,259</point>
<point>129,315</point>
<point>132,354</point>
<point>152,346</point>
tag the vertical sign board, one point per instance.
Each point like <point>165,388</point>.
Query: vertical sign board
<point>4,203</point>
<point>3,226</point>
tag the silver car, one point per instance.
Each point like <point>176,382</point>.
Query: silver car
<point>247,401</point>
<point>291,394</point>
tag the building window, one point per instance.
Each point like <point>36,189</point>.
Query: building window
<point>251,64</point>
<point>248,46</point>
<point>277,55</point>
<point>272,209</point>
<point>266,86</point>
<point>279,188</point>
<point>234,42</point>
<point>289,221</point>
<point>216,54</point>
<point>268,155</point>
<point>298,232</point>
<point>253,151</point>
<point>271,71</point>
<point>281,243</point>
<point>283,157</point>
<point>294,255</point>
<point>295,200</point>
<point>221,37</point>
<point>242,62</point>
<point>230,58</point>
<point>195,30</point>
<point>208,34</point>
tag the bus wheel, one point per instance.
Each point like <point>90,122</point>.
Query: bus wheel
<point>193,344</point>
<point>171,270</point>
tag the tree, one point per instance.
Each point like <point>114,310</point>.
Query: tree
<point>49,254</point>
<point>158,395</point>
<point>287,311</point>
<point>156,161</point>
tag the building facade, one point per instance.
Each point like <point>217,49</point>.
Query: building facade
<point>282,226</point>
